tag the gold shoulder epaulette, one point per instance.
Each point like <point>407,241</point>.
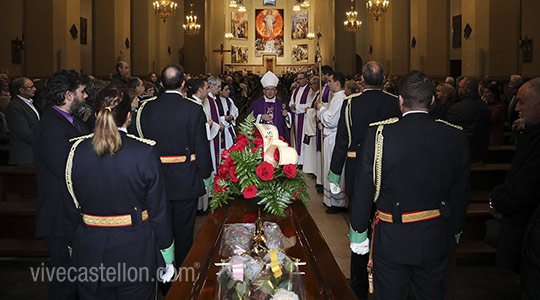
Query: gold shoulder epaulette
<point>82,137</point>
<point>149,99</point>
<point>194,101</point>
<point>353,95</point>
<point>146,141</point>
<point>390,94</point>
<point>385,122</point>
<point>449,124</point>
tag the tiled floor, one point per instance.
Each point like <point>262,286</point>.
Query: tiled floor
<point>473,281</point>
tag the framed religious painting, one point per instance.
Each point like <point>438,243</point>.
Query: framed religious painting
<point>239,24</point>
<point>269,2</point>
<point>299,53</point>
<point>84,31</point>
<point>269,32</point>
<point>239,54</point>
<point>299,24</point>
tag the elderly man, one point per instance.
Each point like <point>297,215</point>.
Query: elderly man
<point>121,74</point>
<point>56,216</point>
<point>22,118</point>
<point>518,198</point>
<point>269,109</point>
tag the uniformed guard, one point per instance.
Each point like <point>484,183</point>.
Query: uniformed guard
<point>115,182</point>
<point>415,172</point>
<point>178,127</point>
<point>357,112</point>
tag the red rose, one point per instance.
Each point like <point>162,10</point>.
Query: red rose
<point>276,155</point>
<point>229,161</point>
<point>225,153</point>
<point>249,218</point>
<point>258,142</point>
<point>265,171</point>
<point>223,171</point>
<point>217,187</point>
<point>296,195</point>
<point>232,173</point>
<point>257,133</point>
<point>290,170</point>
<point>250,191</point>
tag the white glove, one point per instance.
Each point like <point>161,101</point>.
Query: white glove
<point>360,248</point>
<point>165,275</point>
<point>335,188</point>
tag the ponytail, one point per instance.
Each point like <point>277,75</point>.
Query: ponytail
<point>106,135</point>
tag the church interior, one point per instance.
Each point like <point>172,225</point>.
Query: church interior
<point>486,39</point>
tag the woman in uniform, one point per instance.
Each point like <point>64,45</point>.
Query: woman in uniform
<point>115,181</point>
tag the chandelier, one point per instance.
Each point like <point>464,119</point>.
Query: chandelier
<point>352,24</point>
<point>378,8</point>
<point>165,8</point>
<point>233,4</point>
<point>301,4</point>
<point>191,27</point>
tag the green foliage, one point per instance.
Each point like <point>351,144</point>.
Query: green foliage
<point>247,127</point>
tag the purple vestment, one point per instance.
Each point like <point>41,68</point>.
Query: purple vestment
<point>260,107</point>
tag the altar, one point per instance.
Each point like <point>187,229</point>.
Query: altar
<point>322,277</point>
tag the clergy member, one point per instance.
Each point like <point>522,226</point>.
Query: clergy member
<point>330,118</point>
<point>312,157</point>
<point>269,109</point>
<point>298,104</point>
<point>231,113</point>
<point>217,115</point>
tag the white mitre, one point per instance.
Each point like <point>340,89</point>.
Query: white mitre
<point>269,79</point>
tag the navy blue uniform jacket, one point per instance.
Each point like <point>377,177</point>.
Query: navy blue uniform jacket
<point>425,163</point>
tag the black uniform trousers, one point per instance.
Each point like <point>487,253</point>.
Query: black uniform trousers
<point>139,290</point>
<point>183,217</point>
<point>391,280</point>
<point>59,258</point>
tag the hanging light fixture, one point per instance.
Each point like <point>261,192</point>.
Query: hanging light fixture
<point>377,8</point>
<point>233,4</point>
<point>305,4</point>
<point>351,23</point>
<point>310,35</point>
<point>165,8</point>
<point>296,7</point>
<point>229,36</point>
<point>191,27</point>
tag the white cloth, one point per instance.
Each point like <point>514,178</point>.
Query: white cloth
<point>165,275</point>
<point>360,248</point>
<point>330,118</point>
<point>299,110</point>
<point>233,111</point>
<point>269,79</point>
<point>312,158</point>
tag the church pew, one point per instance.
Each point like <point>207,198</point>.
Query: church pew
<point>500,154</point>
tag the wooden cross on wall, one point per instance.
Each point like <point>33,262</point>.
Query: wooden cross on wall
<point>221,52</point>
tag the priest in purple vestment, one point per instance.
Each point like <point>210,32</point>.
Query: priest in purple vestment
<point>269,109</point>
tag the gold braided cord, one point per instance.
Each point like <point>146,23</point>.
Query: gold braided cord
<point>143,140</point>
<point>195,101</point>
<point>82,137</point>
<point>449,124</point>
<point>377,161</point>
<point>390,94</point>
<point>348,121</point>
<point>69,169</point>
<point>139,114</point>
<point>385,122</point>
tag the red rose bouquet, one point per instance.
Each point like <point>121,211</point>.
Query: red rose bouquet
<point>245,171</point>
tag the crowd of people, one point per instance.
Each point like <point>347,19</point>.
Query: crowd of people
<point>125,164</point>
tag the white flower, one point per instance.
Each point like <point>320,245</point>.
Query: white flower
<point>282,294</point>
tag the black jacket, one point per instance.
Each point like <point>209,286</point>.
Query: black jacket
<point>22,122</point>
<point>124,184</point>
<point>517,197</point>
<point>55,214</point>
<point>474,116</point>
<point>178,127</point>
<point>425,166</point>
<point>371,106</point>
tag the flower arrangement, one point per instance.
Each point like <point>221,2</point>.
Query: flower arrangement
<point>245,169</point>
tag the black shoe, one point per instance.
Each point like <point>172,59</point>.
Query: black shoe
<point>201,212</point>
<point>335,210</point>
<point>319,188</point>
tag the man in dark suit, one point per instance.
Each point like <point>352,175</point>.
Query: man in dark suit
<point>178,127</point>
<point>417,172</point>
<point>518,197</point>
<point>357,112</point>
<point>22,118</point>
<point>473,114</point>
<point>56,216</point>
<point>120,77</point>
